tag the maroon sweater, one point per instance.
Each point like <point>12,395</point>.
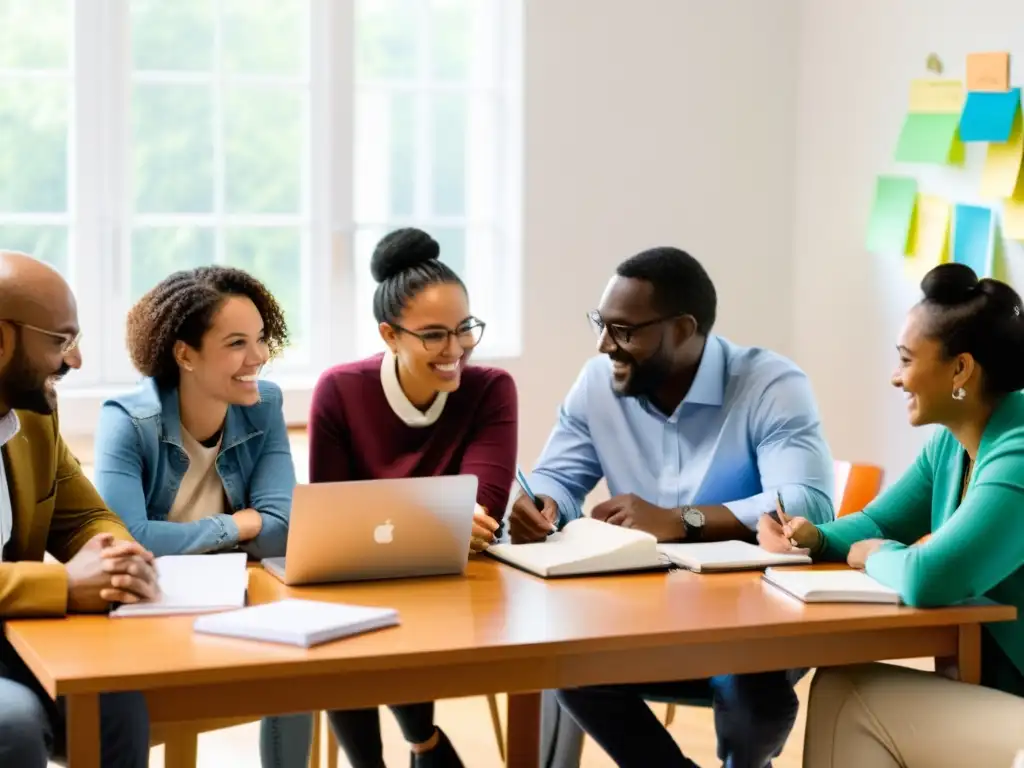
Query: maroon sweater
<point>355,435</point>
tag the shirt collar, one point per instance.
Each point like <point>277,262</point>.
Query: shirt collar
<point>400,404</point>
<point>708,387</point>
<point>9,426</point>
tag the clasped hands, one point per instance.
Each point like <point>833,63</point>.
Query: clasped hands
<point>108,570</point>
<point>800,534</point>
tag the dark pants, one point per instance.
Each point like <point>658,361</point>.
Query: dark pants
<point>358,731</point>
<point>754,715</point>
<point>32,725</point>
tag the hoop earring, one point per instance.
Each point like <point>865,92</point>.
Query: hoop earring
<point>959,393</point>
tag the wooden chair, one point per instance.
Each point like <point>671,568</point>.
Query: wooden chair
<point>856,486</point>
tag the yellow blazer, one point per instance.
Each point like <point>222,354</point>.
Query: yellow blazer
<point>55,509</point>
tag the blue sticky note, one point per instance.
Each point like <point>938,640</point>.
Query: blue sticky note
<point>972,238</point>
<point>988,116</point>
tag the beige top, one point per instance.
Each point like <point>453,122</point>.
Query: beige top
<point>201,493</point>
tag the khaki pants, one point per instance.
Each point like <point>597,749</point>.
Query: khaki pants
<point>884,716</point>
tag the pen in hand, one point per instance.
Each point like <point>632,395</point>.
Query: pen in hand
<point>780,511</point>
<point>537,503</point>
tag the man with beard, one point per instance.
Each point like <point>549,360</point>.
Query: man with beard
<point>695,437</point>
<point>48,505</point>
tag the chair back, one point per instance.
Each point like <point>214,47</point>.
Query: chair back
<point>856,486</point>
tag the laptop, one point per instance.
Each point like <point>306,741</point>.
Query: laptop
<point>378,529</point>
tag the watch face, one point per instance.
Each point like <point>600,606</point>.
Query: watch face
<point>694,517</point>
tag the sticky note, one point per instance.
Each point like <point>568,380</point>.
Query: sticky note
<point>1002,164</point>
<point>1013,219</point>
<point>937,97</point>
<point>989,116</point>
<point>930,138</point>
<point>891,215</point>
<point>972,238</point>
<point>929,231</point>
<point>988,71</point>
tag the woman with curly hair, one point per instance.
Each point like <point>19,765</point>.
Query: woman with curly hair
<point>196,458</point>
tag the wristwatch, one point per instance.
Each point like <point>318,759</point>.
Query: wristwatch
<point>693,521</point>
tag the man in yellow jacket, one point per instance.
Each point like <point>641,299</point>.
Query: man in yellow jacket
<point>48,506</point>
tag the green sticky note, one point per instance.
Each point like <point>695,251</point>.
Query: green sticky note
<point>928,138</point>
<point>892,215</point>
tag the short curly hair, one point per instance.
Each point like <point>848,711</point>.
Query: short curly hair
<point>181,308</point>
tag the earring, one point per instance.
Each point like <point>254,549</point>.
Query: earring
<point>959,393</point>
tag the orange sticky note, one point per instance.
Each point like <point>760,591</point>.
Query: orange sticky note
<point>988,71</point>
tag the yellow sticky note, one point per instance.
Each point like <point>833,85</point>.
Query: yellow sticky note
<point>1002,164</point>
<point>1013,219</point>
<point>929,232</point>
<point>936,97</point>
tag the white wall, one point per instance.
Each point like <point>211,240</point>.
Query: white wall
<point>652,122</point>
<point>856,61</point>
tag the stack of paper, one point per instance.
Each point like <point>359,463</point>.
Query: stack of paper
<point>297,622</point>
<point>708,556</point>
<point>584,546</point>
<point>846,586</point>
<point>195,584</point>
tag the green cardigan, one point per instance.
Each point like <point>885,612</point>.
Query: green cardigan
<point>976,548</point>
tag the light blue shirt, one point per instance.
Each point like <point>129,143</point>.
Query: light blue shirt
<point>748,426</point>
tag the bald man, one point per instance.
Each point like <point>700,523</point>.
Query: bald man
<point>48,505</point>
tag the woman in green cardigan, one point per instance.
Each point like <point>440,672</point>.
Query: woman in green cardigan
<point>961,367</point>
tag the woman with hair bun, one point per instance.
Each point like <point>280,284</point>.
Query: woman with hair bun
<point>416,410</point>
<point>961,367</point>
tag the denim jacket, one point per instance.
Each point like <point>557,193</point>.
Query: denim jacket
<point>140,462</point>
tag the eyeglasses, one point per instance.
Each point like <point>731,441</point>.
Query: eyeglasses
<point>467,335</point>
<point>69,341</point>
<point>622,334</point>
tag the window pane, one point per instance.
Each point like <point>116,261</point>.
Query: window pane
<point>274,257</point>
<point>453,247</point>
<point>367,336</point>
<point>385,158</point>
<point>35,34</point>
<point>451,36</point>
<point>264,142</point>
<point>33,146</point>
<point>265,37</point>
<point>449,156</point>
<point>159,251</point>
<point>387,35</point>
<point>47,243</point>
<point>173,147</point>
<point>172,35</point>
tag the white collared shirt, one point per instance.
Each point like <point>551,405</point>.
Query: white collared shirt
<point>400,404</point>
<point>9,426</point>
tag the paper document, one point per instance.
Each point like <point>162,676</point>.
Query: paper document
<point>584,546</point>
<point>831,586</point>
<point>297,622</point>
<point>705,556</point>
<point>195,584</point>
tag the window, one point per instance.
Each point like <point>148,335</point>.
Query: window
<point>284,137</point>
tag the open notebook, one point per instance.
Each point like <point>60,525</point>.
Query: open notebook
<point>584,546</point>
<point>846,586</point>
<point>297,622</point>
<point>195,584</point>
<point>707,556</point>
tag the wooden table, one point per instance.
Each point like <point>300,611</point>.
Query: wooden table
<point>496,629</point>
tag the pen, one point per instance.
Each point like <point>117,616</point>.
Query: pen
<point>537,503</point>
<point>780,510</point>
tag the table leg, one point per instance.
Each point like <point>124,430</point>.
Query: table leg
<point>83,730</point>
<point>523,739</point>
<point>966,665</point>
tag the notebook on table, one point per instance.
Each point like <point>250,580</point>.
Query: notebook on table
<point>297,622</point>
<point>710,556</point>
<point>194,584</point>
<point>584,547</point>
<point>845,586</point>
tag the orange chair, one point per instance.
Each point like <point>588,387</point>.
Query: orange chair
<point>856,486</point>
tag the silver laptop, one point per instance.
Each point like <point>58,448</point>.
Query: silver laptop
<point>378,529</point>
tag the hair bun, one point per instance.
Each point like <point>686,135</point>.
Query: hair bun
<point>401,250</point>
<point>950,284</point>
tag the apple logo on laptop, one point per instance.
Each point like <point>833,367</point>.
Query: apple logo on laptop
<point>384,533</point>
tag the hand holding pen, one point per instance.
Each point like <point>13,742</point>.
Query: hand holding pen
<point>533,517</point>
